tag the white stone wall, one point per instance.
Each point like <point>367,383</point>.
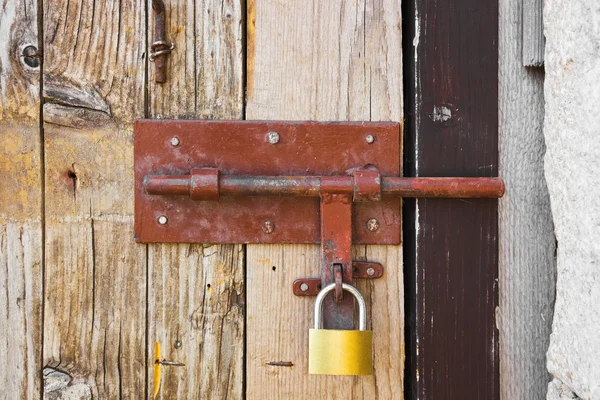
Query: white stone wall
<point>572,169</point>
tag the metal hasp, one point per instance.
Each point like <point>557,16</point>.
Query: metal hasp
<point>283,182</point>
<point>173,161</point>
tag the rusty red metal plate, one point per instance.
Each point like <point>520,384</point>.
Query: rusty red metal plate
<point>175,147</point>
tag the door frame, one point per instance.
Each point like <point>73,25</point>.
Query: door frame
<point>451,246</point>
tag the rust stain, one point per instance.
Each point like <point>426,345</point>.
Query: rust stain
<point>251,48</point>
<point>280,363</point>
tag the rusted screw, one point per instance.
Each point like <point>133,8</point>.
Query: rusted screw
<point>31,56</point>
<point>372,224</point>
<point>162,219</point>
<point>370,271</point>
<point>370,139</point>
<point>175,141</point>
<point>304,287</point>
<point>170,363</point>
<point>268,227</point>
<point>178,344</point>
<point>273,137</point>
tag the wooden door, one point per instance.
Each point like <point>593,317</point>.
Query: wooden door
<point>82,303</point>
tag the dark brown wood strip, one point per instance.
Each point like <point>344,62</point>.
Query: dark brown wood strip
<point>452,130</point>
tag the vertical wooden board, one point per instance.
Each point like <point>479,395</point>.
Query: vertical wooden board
<point>452,282</point>
<point>196,292</point>
<point>95,285</point>
<point>532,27</point>
<point>20,204</point>
<point>527,273</point>
<point>278,325</point>
<point>196,313</point>
<point>326,61</point>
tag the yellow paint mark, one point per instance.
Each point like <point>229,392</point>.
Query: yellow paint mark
<point>156,369</point>
<point>251,48</point>
<point>403,353</point>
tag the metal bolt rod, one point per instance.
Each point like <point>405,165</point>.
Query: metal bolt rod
<point>444,187</point>
<point>310,186</point>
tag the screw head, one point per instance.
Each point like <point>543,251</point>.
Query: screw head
<point>372,224</point>
<point>268,227</point>
<point>178,344</point>
<point>162,219</point>
<point>175,141</point>
<point>273,137</point>
<point>304,287</point>
<point>370,271</point>
<point>370,139</point>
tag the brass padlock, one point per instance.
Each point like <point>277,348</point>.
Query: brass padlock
<point>340,352</point>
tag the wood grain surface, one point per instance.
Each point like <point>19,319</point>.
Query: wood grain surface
<point>325,61</point>
<point>196,292</point>
<point>95,286</point>
<point>82,303</point>
<point>21,217</point>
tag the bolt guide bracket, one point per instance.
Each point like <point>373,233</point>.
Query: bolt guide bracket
<point>331,183</point>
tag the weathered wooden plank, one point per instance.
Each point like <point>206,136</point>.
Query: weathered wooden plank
<point>532,28</point>
<point>196,292</point>
<point>452,283</point>
<point>526,234</point>
<point>95,286</point>
<point>326,61</point>
<point>20,203</point>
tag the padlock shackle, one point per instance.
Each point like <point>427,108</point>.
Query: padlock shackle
<point>362,307</point>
